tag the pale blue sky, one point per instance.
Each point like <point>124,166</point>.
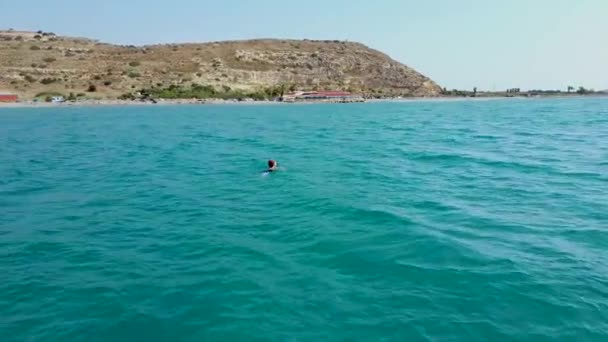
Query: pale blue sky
<point>460,44</point>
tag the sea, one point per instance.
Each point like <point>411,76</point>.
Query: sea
<point>433,220</point>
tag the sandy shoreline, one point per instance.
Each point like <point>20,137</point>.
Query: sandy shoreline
<point>85,103</point>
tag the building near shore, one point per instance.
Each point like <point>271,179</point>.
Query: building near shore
<point>322,96</point>
<point>6,97</point>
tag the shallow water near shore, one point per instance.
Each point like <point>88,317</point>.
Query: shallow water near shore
<point>438,221</point>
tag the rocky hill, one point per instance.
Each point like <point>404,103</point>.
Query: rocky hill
<point>36,62</point>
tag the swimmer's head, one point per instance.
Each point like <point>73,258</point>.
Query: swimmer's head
<point>272,163</point>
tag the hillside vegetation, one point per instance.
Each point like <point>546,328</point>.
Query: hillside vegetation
<point>34,63</point>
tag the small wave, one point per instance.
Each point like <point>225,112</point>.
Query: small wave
<point>456,158</point>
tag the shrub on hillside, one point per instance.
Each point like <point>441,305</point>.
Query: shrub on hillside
<point>92,88</point>
<point>134,74</point>
<point>34,47</point>
<point>126,96</point>
<point>49,59</point>
<point>30,79</point>
<point>97,77</point>
<point>134,64</point>
<point>48,80</point>
<point>107,83</point>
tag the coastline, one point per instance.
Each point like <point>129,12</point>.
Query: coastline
<point>174,102</point>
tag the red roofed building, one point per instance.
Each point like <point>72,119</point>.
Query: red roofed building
<point>9,98</point>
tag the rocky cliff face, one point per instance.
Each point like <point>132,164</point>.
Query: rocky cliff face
<point>31,63</point>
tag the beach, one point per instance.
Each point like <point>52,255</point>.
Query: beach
<point>116,102</point>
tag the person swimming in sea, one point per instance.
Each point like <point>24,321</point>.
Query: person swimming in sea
<point>272,165</point>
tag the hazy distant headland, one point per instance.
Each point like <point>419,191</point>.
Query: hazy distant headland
<point>40,65</point>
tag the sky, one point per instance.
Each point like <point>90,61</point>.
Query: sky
<point>488,44</point>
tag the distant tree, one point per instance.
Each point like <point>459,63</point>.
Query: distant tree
<point>474,91</point>
<point>582,91</point>
<point>71,97</point>
<point>570,89</point>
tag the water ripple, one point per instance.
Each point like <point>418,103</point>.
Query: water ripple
<point>438,221</point>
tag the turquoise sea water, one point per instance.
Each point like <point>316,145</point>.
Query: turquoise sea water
<point>417,221</point>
